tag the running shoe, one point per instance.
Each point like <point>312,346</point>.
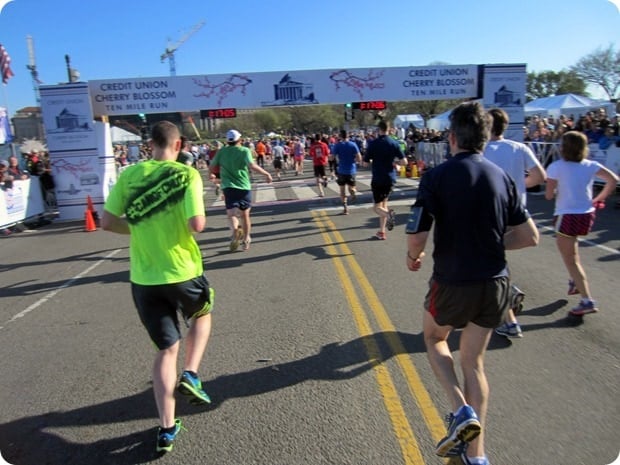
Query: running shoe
<point>191,387</point>
<point>463,426</point>
<point>246,244</point>
<point>345,211</point>
<point>516,299</point>
<point>471,461</point>
<point>572,288</point>
<point>381,235</point>
<point>391,220</point>
<point>324,182</point>
<point>237,236</point>
<point>458,450</point>
<point>509,330</point>
<point>353,196</point>
<point>165,440</point>
<point>583,308</point>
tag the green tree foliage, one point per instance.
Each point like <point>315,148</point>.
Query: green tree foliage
<point>601,67</point>
<point>549,83</point>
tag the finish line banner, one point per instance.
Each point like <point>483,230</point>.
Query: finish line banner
<point>284,88</point>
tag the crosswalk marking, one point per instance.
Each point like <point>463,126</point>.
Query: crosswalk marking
<point>306,189</point>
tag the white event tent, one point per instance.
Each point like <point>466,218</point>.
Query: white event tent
<point>440,122</point>
<point>403,121</point>
<point>121,136</point>
<point>566,104</point>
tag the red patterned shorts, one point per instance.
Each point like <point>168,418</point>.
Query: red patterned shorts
<point>574,224</point>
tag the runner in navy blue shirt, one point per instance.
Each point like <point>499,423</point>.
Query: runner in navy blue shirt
<point>477,215</point>
<point>384,152</point>
<point>347,155</point>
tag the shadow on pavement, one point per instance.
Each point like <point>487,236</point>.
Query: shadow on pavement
<point>38,439</point>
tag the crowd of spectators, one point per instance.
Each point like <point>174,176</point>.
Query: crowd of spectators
<point>21,168</point>
<point>598,127</point>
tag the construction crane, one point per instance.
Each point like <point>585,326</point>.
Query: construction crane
<point>169,53</point>
<point>32,66</point>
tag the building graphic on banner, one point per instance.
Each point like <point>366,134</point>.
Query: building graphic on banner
<point>290,92</point>
<point>67,122</point>
<point>504,97</point>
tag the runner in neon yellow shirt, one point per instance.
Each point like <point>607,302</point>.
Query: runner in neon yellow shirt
<point>159,203</point>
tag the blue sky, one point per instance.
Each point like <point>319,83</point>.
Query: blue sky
<point>114,38</point>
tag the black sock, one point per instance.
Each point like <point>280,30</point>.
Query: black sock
<point>168,430</point>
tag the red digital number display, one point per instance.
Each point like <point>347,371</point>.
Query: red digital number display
<point>218,113</point>
<point>370,105</point>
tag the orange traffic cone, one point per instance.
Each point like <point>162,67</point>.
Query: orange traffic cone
<point>91,208</point>
<point>89,204</point>
<point>89,221</point>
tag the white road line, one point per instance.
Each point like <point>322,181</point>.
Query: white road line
<point>56,291</point>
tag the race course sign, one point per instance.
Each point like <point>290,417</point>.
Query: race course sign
<point>284,88</point>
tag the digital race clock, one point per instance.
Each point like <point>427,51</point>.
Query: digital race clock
<point>218,113</point>
<point>376,105</point>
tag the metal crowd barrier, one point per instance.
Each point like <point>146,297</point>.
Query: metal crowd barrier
<point>434,153</point>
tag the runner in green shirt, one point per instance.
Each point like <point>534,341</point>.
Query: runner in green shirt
<point>159,203</point>
<point>235,161</point>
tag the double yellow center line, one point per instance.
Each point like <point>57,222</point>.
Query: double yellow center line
<point>344,260</point>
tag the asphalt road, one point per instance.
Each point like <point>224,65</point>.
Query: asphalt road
<point>316,355</point>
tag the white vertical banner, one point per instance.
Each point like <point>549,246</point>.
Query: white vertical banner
<point>73,147</point>
<point>106,160</point>
<point>504,87</point>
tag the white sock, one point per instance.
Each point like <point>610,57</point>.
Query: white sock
<point>477,460</point>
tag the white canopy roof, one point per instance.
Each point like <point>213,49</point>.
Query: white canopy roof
<point>121,136</point>
<point>568,104</point>
<point>440,122</point>
<point>403,121</point>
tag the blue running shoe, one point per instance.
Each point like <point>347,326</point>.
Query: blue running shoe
<point>191,386</point>
<point>572,288</point>
<point>458,450</point>
<point>165,440</point>
<point>509,330</point>
<point>584,308</point>
<point>463,426</point>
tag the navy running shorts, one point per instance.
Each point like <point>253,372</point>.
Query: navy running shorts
<point>484,303</point>
<point>159,306</point>
<point>237,198</point>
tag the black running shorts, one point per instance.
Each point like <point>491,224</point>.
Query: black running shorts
<point>483,303</point>
<point>159,306</point>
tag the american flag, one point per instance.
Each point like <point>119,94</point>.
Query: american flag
<point>5,65</point>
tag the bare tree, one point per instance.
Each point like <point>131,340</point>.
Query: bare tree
<point>601,67</point>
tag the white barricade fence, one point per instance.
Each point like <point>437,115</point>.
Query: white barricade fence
<point>22,201</point>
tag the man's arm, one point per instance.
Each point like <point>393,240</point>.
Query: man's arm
<point>256,168</point>
<point>524,235</point>
<point>113,223</point>
<point>535,176</point>
<point>415,249</point>
<point>197,223</point>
